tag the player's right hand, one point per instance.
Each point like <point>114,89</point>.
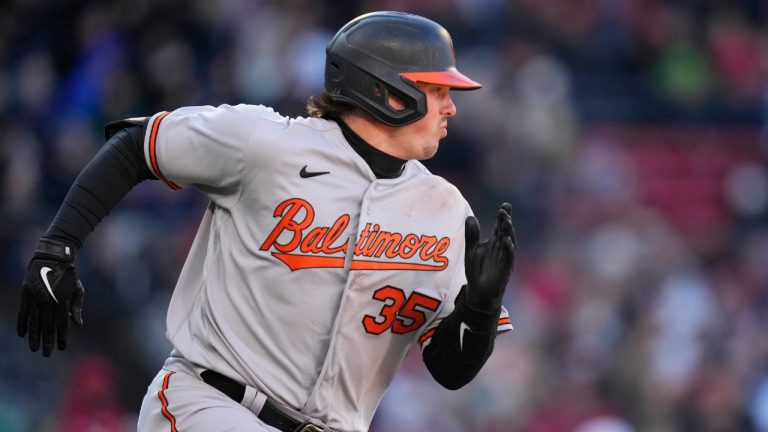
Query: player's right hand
<point>488,264</point>
<point>51,295</point>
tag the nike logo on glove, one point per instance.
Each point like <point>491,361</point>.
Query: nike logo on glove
<point>307,174</point>
<point>462,329</point>
<point>44,276</point>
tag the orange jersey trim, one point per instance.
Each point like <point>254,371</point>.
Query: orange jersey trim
<point>153,151</point>
<point>164,401</point>
<point>428,334</point>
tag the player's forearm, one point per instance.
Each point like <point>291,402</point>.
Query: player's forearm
<point>115,170</point>
<point>461,345</point>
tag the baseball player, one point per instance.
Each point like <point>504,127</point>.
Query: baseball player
<point>326,254</point>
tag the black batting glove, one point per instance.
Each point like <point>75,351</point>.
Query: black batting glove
<point>488,264</point>
<point>51,295</point>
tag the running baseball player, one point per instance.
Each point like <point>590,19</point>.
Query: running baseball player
<point>328,251</point>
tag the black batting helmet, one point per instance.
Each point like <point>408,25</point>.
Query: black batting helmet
<point>383,53</point>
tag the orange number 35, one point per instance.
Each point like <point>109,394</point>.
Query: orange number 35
<point>398,313</point>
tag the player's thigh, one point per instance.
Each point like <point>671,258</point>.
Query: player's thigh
<point>176,401</point>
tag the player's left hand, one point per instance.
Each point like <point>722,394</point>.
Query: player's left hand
<point>488,264</point>
<point>51,295</point>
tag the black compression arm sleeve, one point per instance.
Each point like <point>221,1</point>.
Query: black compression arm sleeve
<point>116,169</point>
<point>457,352</point>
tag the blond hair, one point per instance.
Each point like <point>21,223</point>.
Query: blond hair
<point>324,106</point>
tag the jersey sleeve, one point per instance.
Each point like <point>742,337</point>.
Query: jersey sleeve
<point>204,147</point>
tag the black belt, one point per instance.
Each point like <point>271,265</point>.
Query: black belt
<point>269,414</point>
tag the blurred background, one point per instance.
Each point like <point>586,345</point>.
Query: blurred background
<point>629,135</point>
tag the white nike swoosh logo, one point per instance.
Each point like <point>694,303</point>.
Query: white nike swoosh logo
<point>44,275</point>
<point>462,329</point>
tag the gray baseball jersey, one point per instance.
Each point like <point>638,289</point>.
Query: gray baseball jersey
<point>309,278</point>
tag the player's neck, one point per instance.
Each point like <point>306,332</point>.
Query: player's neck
<point>382,164</point>
<point>373,132</point>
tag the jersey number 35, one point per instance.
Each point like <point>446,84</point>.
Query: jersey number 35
<point>400,314</point>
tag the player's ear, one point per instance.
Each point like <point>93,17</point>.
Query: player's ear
<point>394,101</point>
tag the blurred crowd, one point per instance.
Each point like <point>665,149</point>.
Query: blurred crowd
<point>629,135</point>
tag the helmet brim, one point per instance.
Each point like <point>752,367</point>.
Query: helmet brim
<point>451,78</point>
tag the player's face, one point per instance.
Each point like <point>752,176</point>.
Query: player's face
<point>420,139</point>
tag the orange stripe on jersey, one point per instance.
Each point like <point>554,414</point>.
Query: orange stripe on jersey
<point>428,334</point>
<point>379,265</point>
<point>506,320</point>
<point>153,151</point>
<point>164,402</point>
<point>298,262</point>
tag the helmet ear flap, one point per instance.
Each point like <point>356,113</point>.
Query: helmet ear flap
<point>409,106</point>
<point>392,100</point>
<point>347,82</point>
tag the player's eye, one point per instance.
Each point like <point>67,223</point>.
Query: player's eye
<point>439,90</point>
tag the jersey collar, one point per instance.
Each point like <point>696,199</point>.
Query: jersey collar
<point>383,165</point>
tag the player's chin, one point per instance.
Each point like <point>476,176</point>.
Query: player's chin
<point>430,150</point>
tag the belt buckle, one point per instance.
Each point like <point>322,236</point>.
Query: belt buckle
<point>309,427</point>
